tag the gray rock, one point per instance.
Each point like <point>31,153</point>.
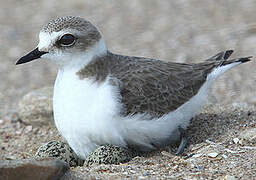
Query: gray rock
<point>110,154</point>
<point>32,169</point>
<point>35,108</point>
<point>59,150</point>
<point>73,175</point>
<point>249,135</point>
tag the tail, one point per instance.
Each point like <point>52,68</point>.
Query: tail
<point>223,56</point>
<point>223,64</point>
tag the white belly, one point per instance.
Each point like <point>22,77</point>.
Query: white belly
<point>85,112</point>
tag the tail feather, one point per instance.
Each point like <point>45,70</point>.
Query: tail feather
<point>244,59</point>
<point>224,55</point>
<point>224,64</point>
<point>241,60</point>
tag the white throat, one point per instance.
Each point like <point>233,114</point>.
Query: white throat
<point>79,60</point>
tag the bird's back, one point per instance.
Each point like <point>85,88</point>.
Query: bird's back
<point>153,86</point>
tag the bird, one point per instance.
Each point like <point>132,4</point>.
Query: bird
<point>105,98</point>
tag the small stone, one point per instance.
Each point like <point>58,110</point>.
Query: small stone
<point>146,173</point>
<point>200,168</point>
<point>33,169</point>
<point>228,177</point>
<point>141,177</point>
<point>10,157</point>
<point>18,125</point>
<point>236,140</point>
<point>174,167</point>
<point>165,153</point>
<point>213,154</point>
<point>18,132</point>
<point>1,121</point>
<point>230,151</point>
<point>59,150</point>
<point>132,171</point>
<point>110,154</point>
<point>35,108</point>
<point>197,155</point>
<point>224,156</point>
<point>28,129</point>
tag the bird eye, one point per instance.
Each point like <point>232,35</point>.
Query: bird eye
<point>67,40</point>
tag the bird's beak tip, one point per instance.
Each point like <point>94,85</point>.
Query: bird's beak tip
<point>35,54</point>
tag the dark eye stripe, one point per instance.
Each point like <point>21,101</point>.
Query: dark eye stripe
<point>67,40</point>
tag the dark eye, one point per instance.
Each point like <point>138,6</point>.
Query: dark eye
<point>67,40</point>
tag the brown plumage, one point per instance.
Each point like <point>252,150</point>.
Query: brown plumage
<point>153,86</point>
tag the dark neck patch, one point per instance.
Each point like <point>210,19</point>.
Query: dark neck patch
<point>98,69</point>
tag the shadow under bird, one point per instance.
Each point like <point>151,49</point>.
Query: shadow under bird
<point>105,98</point>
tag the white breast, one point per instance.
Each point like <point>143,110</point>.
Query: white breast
<point>84,112</point>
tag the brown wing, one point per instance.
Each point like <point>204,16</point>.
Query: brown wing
<point>157,87</point>
<point>153,86</point>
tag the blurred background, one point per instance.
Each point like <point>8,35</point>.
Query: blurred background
<point>179,31</point>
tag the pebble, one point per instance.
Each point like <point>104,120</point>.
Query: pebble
<point>1,121</point>
<point>197,155</point>
<point>165,153</point>
<point>132,171</point>
<point>224,156</point>
<point>145,173</point>
<point>200,168</point>
<point>236,140</point>
<point>18,125</point>
<point>228,177</point>
<point>230,151</point>
<point>28,129</point>
<point>213,154</point>
<point>18,132</point>
<point>10,157</point>
<point>141,177</point>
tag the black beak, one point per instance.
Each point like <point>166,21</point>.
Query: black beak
<point>35,54</point>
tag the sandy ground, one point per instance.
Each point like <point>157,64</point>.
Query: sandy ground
<point>214,131</point>
<point>180,31</point>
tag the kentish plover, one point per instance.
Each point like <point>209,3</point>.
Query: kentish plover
<point>104,98</point>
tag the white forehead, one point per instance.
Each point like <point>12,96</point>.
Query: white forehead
<point>47,39</point>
